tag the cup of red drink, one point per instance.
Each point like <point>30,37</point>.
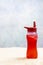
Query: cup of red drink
<point>31,38</point>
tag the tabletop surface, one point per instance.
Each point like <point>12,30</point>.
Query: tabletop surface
<point>17,56</point>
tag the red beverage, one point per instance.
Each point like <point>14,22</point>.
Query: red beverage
<point>31,45</point>
<point>31,42</point>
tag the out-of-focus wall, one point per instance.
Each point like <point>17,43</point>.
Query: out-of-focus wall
<point>14,15</point>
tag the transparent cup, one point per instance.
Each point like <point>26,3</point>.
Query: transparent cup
<point>31,45</point>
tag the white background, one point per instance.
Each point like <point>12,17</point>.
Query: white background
<point>14,15</point>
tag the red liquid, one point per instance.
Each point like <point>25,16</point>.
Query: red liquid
<point>31,46</point>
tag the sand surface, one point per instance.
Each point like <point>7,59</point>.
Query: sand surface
<point>17,56</point>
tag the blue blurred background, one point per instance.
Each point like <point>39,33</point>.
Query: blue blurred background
<point>14,15</point>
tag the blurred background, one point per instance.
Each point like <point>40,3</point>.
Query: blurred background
<point>14,15</point>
